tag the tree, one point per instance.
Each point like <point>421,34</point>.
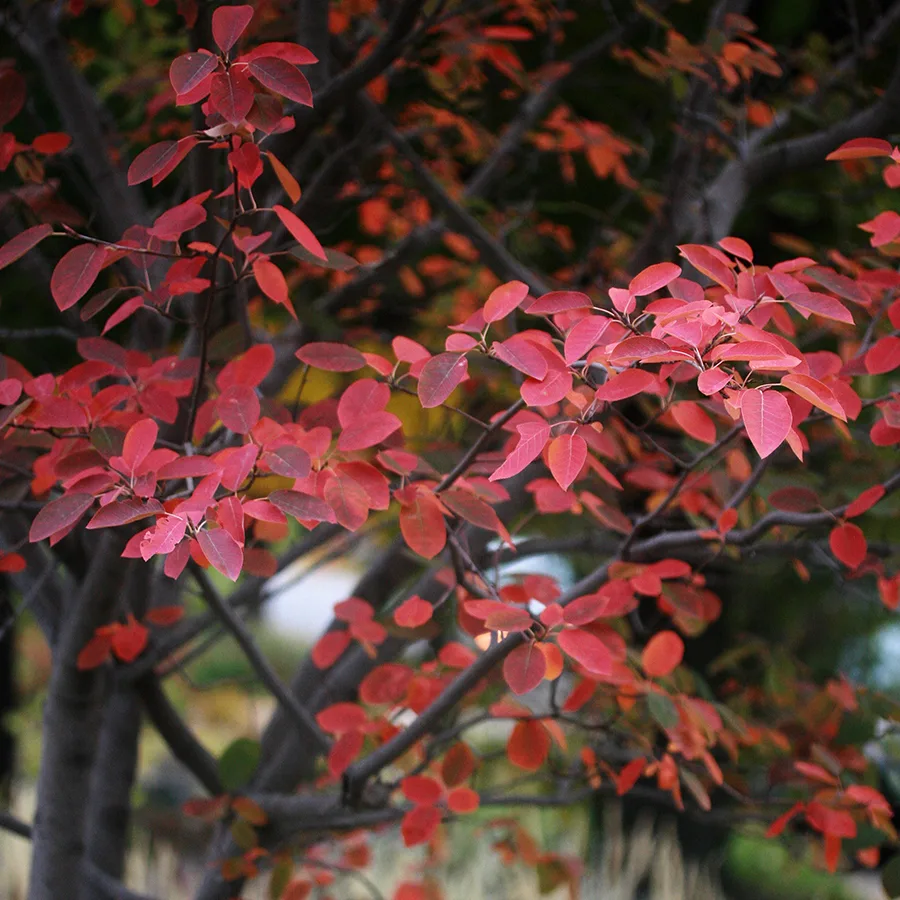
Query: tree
<point>663,425</point>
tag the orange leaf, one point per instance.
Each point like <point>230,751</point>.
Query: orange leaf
<point>663,654</point>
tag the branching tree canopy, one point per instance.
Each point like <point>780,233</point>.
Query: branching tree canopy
<point>465,283</point>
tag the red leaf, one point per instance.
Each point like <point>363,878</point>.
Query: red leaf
<point>463,800</point>
<point>565,458</point>
<point>413,612</point>
<point>188,73</point>
<point>586,649</point>
<point>528,745</point>
<point>629,775</point>
<point>22,243</point>
<point>458,764</point>
<point>289,461</point>
<point>419,825</point>
<point>559,301</point>
<point>59,515</point>
<point>223,552</point>
<point>815,392</point>
<point>368,431</point>
<point>271,282</point>
<point>439,377</point>
<point>663,654</point>
<point>421,790</point>
<point>283,78</point>
<point>585,334</point>
<point>139,441</point>
<point>164,537</point>
<point>712,263</point>
<point>767,418</point>
<point>884,355</point>
<point>503,300</point>
<point>124,512</point>
<point>331,357</point>
<point>848,544</point>
<point>865,501</point>
<point>129,641</point>
<point>75,273</point>
<point>238,408</point>
<point>176,221</point>
<point>781,822</point>
<point>329,648</point>
<point>250,368</point>
<point>165,615</point>
<point>231,95</point>
<point>300,232</point>
<point>422,525</point>
<point>693,420</point>
<point>521,354</point>
<point>820,305</point>
<point>553,387</point>
<point>860,148</point>
<point>532,438</point>
<point>348,501</point>
<point>653,278</point>
<point>302,507</point>
<point>524,668</point>
<point>341,717</point>
<point>639,348</point>
<point>229,23</point>
<point>385,685</point>
<point>151,161</point>
<point>94,653</point>
<point>343,751</point>
<point>625,385</point>
<point>292,53</point>
<point>362,398</point>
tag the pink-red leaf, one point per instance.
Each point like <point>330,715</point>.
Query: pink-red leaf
<point>368,431</point>
<point>283,78</point>
<point>848,544</point>
<point>188,72</point>
<point>653,278</point>
<point>767,418</point>
<point>413,612</point>
<point>524,668</point>
<point>565,458</point>
<point>559,301</point>
<point>229,23</point>
<point>663,654</point>
<point>503,300</point>
<point>239,409</point>
<point>300,231</point>
<point>331,357</point>
<point>587,649</point>
<point>59,515</point>
<point>439,377</point>
<point>22,243</point>
<point>302,507</point>
<point>815,392</point>
<point>231,95</point>
<point>822,305</point>
<point>860,148</point>
<point>75,273</point>
<point>224,553</point>
<point>625,385</point>
<point>532,438</point>
<point>884,355</point>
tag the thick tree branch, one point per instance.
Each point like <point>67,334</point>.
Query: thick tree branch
<point>180,740</point>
